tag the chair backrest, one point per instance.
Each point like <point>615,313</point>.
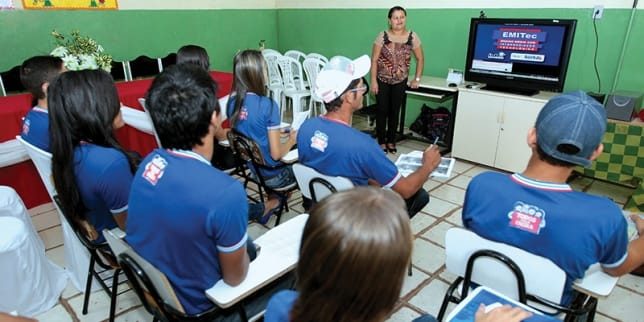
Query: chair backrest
<point>292,75</point>
<point>245,148</point>
<point>295,54</point>
<point>154,130</point>
<point>317,186</point>
<point>542,277</point>
<point>42,161</point>
<point>318,56</point>
<point>312,67</point>
<point>274,76</point>
<point>160,282</point>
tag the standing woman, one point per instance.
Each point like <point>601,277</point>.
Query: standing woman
<point>390,60</point>
<point>91,172</point>
<point>257,116</point>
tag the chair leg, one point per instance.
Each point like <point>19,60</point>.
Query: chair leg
<point>447,298</point>
<point>115,286</point>
<point>88,284</point>
<point>409,270</point>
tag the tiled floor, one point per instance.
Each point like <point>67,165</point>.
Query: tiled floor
<point>422,292</point>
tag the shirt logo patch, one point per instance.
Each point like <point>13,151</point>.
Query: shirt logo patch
<point>319,141</point>
<point>25,127</point>
<point>243,114</point>
<point>527,217</point>
<point>154,169</point>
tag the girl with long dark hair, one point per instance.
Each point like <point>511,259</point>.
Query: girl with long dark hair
<point>91,171</point>
<point>257,116</point>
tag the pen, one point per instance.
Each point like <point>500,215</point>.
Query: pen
<point>435,141</point>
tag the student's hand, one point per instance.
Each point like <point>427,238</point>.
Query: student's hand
<point>504,313</point>
<point>639,224</point>
<point>432,157</point>
<point>292,136</point>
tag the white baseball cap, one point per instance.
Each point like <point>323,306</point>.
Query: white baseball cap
<point>338,73</point>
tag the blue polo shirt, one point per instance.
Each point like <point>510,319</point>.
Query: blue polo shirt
<point>280,305</point>
<point>35,128</point>
<point>334,148</point>
<point>258,115</point>
<point>103,178</point>
<point>183,213</point>
<point>572,229</point>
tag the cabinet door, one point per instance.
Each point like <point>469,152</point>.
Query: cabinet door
<point>476,127</point>
<point>519,116</point>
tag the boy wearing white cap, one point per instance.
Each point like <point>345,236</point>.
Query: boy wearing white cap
<point>537,211</point>
<point>332,147</point>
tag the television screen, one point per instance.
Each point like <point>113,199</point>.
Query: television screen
<point>519,54</point>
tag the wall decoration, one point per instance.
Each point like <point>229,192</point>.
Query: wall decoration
<point>70,4</point>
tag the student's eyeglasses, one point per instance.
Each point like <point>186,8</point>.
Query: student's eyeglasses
<point>362,89</point>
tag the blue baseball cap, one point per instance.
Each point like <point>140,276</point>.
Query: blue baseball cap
<point>570,127</point>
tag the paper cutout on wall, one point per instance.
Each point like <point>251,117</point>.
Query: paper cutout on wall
<point>70,4</point>
<point>6,4</point>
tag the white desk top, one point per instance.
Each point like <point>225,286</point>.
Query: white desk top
<point>596,283</point>
<point>278,255</point>
<point>291,157</point>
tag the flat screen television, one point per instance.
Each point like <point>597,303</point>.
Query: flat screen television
<point>519,55</point>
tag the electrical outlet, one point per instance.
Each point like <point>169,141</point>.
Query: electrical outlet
<point>598,12</point>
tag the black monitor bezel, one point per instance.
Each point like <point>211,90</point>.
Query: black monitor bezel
<point>516,82</point>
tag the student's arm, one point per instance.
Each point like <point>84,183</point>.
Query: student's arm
<point>375,53</point>
<point>408,186</point>
<point>504,313</point>
<point>635,254</point>
<point>279,149</point>
<point>121,219</point>
<point>4,317</point>
<point>234,266</point>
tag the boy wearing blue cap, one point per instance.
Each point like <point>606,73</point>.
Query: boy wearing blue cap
<point>537,211</point>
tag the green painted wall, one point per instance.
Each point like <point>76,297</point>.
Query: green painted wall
<point>444,33</point>
<point>129,33</point>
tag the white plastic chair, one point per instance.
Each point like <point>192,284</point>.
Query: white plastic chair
<point>318,56</point>
<point>539,276</point>
<point>312,67</point>
<point>154,131</point>
<point>294,88</point>
<point>76,255</point>
<point>317,186</point>
<point>275,83</point>
<point>295,54</point>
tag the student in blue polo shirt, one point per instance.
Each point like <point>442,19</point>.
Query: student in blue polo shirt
<point>187,218</point>
<point>36,73</point>
<point>537,211</point>
<point>257,116</point>
<point>331,146</point>
<point>92,173</point>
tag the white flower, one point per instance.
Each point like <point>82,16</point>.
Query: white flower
<point>87,62</point>
<point>99,49</point>
<point>71,62</point>
<point>59,51</point>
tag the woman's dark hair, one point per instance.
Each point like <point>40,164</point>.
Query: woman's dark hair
<point>181,101</point>
<point>193,54</point>
<point>249,75</point>
<point>82,108</point>
<point>355,250</point>
<point>394,9</point>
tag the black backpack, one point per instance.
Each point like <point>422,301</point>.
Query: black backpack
<point>432,123</point>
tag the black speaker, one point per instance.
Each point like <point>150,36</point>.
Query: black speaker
<point>621,105</point>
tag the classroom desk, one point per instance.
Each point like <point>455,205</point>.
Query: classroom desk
<point>434,88</point>
<point>279,254</point>
<point>622,160</point>
<point>23,176</point>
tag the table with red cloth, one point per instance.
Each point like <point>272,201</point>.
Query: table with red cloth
<point>23,176</point>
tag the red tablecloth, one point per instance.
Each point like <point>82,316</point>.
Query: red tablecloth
<point>23,176</point>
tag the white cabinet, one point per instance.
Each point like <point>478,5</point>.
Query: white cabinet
<point>491,127</point>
